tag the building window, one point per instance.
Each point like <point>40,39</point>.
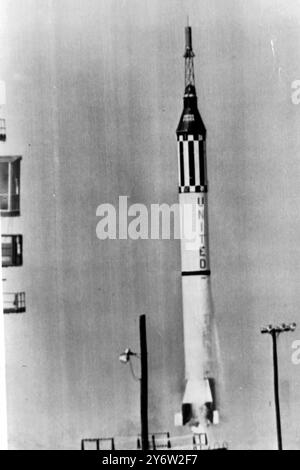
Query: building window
<point>12,250</point>
<point>14,302</point>
<point>10,186</point>
<point>2,130</point>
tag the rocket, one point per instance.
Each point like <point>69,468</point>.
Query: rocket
<point>199,400</point>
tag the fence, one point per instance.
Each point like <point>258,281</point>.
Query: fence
<point>157,441</point>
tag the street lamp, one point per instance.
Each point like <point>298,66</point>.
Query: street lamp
<point>275,331</point>
<point>125,358</point>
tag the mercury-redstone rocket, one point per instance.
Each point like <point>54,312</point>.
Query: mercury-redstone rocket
<point>199,403</point>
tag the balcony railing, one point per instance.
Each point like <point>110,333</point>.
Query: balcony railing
<point>14,302</point>
<point>12,250</point>
<point>10,204</point>
<point>10,167</point>
<point>2,130</point>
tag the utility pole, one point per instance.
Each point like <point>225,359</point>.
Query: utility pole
<point>275,331</point>
<point>125,358</point>
<point>144,383</point>
<point>276,389</point>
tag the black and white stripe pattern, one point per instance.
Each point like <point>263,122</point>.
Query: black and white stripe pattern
<point>192,164</point>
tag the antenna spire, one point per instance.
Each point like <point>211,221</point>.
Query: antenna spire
<point>188,56</point>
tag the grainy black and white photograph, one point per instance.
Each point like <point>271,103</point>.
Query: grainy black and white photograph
<point>150,226</point>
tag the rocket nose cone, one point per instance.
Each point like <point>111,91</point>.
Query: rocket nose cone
<point>191,121</point>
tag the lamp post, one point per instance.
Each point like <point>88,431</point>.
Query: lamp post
<point>125,358</point>
<point>275,331</point>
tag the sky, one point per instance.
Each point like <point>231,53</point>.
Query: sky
<point>94,94</point>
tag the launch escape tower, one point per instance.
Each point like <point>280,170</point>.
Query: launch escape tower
<point>199,401</point>
<point>11,243</point>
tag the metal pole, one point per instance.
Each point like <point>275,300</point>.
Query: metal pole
<point>275,331</point>
<point>144,383</point>
<point>276,389</point>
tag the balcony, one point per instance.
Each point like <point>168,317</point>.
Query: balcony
<point>10,186</point>
<point>2,130</point>
<point>14,303</point>
<point>12,250</point>
<point>10,204</point>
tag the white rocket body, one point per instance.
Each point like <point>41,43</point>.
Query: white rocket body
<point>199,404</point>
